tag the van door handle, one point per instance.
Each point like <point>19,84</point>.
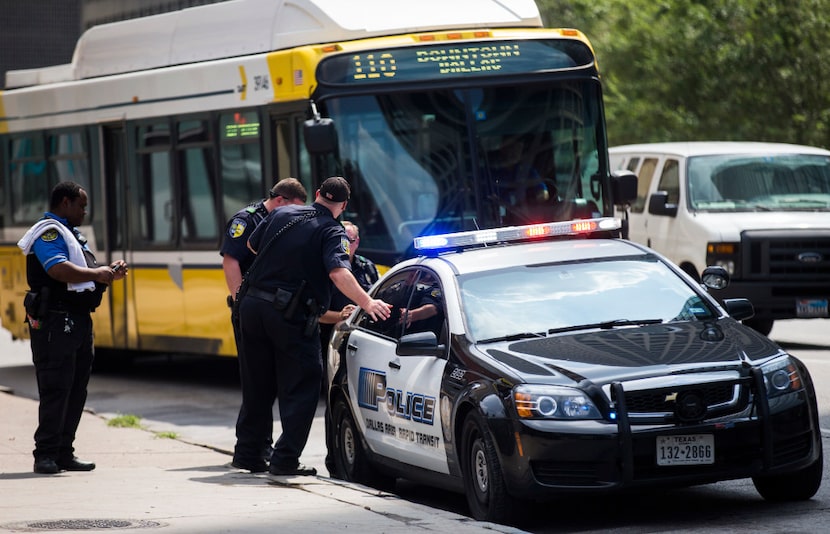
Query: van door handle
<point>395,365</point>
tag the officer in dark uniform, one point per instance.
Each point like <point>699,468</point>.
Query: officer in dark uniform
<point>66,285</point>
<point>304,251</point>
<point>237,259</point>
<point>366,274</point>
<point>426,310</point>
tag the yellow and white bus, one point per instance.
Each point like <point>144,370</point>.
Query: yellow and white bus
<point>173,122</point>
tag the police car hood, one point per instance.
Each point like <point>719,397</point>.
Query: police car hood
<point>630,352</point>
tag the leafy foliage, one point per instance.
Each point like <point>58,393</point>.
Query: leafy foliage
<point>677,70</point>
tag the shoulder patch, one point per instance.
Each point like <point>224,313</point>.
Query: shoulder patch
<point>237,228</point>
<point>49,235</point>
<point>344,244</point>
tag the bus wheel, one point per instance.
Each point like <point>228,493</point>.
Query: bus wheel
<point>484,484</point>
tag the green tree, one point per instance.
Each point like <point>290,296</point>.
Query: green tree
<point>708,69</point>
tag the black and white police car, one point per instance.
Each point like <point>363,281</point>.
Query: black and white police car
<point>518,365</point>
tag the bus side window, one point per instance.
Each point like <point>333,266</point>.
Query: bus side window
<point>155,208</point>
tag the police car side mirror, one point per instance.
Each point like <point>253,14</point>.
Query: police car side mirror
<point>419,344</point>
<point>739,309</point>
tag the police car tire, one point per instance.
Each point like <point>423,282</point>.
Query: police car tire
<point>348,454</point>
<point>350,459</point>
<point>484,484</point>
<point>798,486</point>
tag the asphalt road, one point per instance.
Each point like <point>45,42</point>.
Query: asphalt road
<point>198,398</point>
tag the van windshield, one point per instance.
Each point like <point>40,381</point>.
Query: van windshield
<point>742,182</point>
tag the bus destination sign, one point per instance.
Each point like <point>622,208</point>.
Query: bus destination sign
<point>458,60</point>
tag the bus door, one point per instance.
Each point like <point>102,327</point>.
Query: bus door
<point>156,257</point>
<point>113,187</point>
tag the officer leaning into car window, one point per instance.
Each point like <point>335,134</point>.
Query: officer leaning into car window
<point>66,285</point>
<point>305,249</point>
<point>366,273</point>
<point>237,258</point>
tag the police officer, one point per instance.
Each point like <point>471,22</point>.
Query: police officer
<point>304,250</point>
<point>66,285</point>
<point>366,274</point>
<point>237,259</point>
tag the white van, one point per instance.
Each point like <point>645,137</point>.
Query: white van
<point>761,210</point>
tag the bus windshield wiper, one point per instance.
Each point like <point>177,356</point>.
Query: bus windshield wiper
<point>606,325</point>
<point>513,337</point>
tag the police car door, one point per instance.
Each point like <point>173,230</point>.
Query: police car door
<point>395,398</point>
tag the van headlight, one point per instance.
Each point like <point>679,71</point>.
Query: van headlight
<point>781,376</point>
<point>553,402</point>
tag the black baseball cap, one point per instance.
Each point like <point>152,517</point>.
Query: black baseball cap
<point>335,189</point>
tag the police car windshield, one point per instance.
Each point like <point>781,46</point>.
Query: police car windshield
<point>526,301</point>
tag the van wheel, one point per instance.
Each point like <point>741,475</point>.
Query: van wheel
<point>762,326</point>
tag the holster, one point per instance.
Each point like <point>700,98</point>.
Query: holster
<point>234,303</point>
<point>36,303</point>
<point>294,304</point>
<point>313,310</point>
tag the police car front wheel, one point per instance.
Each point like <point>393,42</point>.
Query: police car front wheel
<point>484,485</point>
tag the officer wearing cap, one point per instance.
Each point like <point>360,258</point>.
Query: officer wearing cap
<point>304,251</point>
<point>237,259</point>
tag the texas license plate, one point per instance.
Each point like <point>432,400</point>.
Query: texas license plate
<point>811,308</point>
<point>686,449</point>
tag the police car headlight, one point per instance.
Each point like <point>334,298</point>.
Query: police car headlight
<point>553,402</point>
<point>781,376</point>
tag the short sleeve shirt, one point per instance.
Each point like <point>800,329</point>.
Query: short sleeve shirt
<point>308,251</point>
<point>50,248</point>
<point>239,230</point>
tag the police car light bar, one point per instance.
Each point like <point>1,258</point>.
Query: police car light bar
<point>516,233</point>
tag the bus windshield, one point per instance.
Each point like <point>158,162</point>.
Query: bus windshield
<point>453,159</point>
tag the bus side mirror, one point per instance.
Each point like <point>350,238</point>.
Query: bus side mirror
<point>623,187</point>
<point>320,136</point>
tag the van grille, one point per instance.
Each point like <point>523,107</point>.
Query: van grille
<point>787,254</point>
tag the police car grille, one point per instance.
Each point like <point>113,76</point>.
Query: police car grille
<point>573,474</point>
<point>660,402</point>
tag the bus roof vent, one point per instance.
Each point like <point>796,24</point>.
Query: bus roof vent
<point>241,27</point>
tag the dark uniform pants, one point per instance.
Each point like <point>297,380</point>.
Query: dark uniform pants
<point>267,439</point>
<point>279,361</point>
<point>62,353</point>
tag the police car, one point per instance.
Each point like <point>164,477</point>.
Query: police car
<point>517,366</point>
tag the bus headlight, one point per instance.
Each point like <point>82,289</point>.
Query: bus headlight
<point>553,402</point>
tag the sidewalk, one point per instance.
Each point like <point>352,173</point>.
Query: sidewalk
<point>147,483</point>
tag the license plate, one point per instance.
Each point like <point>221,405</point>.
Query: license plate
<point>811,308</point>
<point>686,449</point>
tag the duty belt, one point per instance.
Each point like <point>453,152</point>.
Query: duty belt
<point>271,296</point>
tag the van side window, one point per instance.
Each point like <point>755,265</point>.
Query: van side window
<point>643,182</point>
<point>670,180</point>
<point>632,164</point>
